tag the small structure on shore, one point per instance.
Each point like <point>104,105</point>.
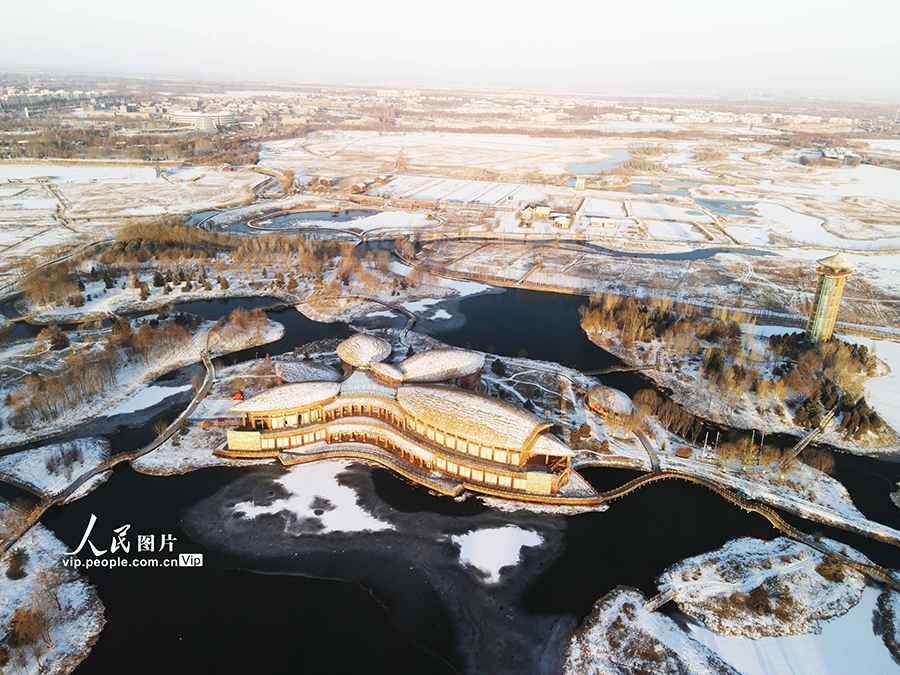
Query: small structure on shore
<point>613,404</point>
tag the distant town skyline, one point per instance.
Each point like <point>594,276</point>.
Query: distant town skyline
<point>800,48</point>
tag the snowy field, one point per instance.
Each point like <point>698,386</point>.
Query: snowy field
<point>670,229</point>
<point>655,211</point>
<point>888,145</point>
<point>82,172</point>
<point>492,549</point>
<point>809,230</point>
<point>604,208</point>
<point>847,644</point>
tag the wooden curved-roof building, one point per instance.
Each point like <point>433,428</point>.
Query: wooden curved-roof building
<point>361,349</point>
<point>485,443</point>
<point>481,419</point>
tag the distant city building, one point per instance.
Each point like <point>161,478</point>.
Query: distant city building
<point>202,121</point>
<point>833,273</point>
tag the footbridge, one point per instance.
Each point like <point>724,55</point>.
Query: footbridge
<point>661,598</point>
<point>806,440</point>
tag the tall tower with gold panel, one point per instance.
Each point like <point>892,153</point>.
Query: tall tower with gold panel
<point>833,273</point>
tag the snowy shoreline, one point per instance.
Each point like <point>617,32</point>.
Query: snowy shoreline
<point>131,383</point>
<point>718,412</point>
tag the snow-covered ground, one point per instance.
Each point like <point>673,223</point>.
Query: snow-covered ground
<point>620,630</point>
<point>94,197</point>
<point>744,412</point>
<point>845,645</point>
<point>318,501</point>
<point>809,230</point>
<point>47,468</point>
<point>190,451</point>
<point>620,637</point>
<point>883,393</point>
<point>791,596</point>
<point>74,623</point>
<point>135,375</point>
<point>492,549</point>
<point>77,172</point>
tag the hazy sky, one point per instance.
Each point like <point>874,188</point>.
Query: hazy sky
<point>780,47</point>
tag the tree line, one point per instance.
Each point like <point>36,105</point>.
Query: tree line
<point>105,143</point>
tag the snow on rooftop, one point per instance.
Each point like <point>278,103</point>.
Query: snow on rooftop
<point>478,418</point>
<point>491,549</point>
<point>836,261</point>
<point>387,371</point>
<point>549,445</point>
<point>361,349</point>
<point>305,371</point>
<point>289,397</point>
<point>438,365</point>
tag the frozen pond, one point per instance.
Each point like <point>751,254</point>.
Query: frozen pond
<point>619,155</point>
<point>492,549</point>
<point>727,208</point>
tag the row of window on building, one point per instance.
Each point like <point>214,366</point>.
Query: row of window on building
<point>488,477</point>
<point>463,445</point>
<point>448,440</point>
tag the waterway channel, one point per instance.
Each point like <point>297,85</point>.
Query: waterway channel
<point>398,601</point>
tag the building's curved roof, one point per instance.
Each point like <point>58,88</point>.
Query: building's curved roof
<point>289,397</point>
<point>836,261</point>
<point>438,365</point>
<point>361,349</point>
<point>305,371</point>
<point>478,418</point>
<point>387,371</point>
<point>600,396</point>
<point>550,445</point>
